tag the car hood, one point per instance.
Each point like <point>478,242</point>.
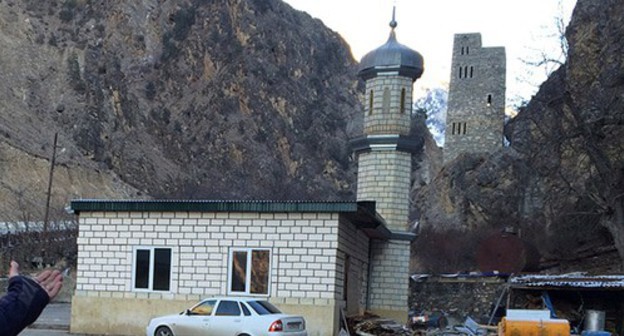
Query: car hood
<point>167,318</point>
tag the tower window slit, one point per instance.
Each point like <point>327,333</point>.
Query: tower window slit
<point>489,100</point>
<point>467,50</point>
<point>370,102</point>
<point>466,71</point>
<point>471,70</point>
<point>386,100</point>
<point>460,72</point>
<point>462,50</point>
<point>458,128</point>
<point>402,107</point>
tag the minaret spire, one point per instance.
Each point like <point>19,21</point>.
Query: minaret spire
<point>393,23</point>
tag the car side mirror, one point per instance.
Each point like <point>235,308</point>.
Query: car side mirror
<point>188,312</point>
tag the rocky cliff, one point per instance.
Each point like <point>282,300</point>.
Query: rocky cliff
<point>561,180</point>
<point>245,99</point>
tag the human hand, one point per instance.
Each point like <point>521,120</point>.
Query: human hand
<point>50,281</point>
<point>14,269</point>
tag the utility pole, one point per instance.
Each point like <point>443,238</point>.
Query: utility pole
<point>47,208</point>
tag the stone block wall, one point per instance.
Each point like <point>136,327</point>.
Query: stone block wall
<point>353,247</point>
<point>459,297</point>
<point>476,105</point>
<point>389,287</point>
<point>384,176</point>
<point>303,247</point>
<point>387,115</point>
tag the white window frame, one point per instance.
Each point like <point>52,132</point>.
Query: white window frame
<point>150,280</point>
<point>247,291</point>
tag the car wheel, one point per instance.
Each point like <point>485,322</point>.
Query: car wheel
<point>163,331</point>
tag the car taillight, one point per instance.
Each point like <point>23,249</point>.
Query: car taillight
<point>276,326</point>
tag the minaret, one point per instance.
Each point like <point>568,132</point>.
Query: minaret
<point>384,166</point>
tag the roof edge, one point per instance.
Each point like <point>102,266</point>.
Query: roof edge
<point>94,205</point>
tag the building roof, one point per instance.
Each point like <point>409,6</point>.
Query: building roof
<point>569,280</point>
<point>211,205</point>
<point>362,214</point>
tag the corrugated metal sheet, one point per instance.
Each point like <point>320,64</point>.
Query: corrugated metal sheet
<point>571,280</point>
<point>211,206</point>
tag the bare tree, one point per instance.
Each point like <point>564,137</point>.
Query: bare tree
<point>542,61</point>
<point>596,124</point>
<point>551,60</point>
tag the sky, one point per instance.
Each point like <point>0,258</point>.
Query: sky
<point>526,28</point>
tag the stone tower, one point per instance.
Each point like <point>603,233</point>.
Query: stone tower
<point>384,167</point>
<point>476,103</point>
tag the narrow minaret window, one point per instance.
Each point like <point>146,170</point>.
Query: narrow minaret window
<point>458,128</point>
<point>370,103</point>
<point>402,108</point>
<point>460,72</point>
<point>386,100</point>
<point>489,100</point>
<point>466,71</point>
<point>471,71</point>
<point>462,50</point>
<point>467,50</point>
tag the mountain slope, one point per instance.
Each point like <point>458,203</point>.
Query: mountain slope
<point>245,99</point>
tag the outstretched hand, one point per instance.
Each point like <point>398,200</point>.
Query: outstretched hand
<point>50,281</point>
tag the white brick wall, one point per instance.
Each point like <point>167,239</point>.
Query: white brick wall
<point>355,244</point>
<point>384,176</point>
<point>391,122</point>
<point>303,249</point>
<point>389,275</point>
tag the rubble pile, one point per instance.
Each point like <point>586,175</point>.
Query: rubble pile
<point>373,325</point>
<point>370,324</point>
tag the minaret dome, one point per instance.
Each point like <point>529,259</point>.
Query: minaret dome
<point>392,57</point>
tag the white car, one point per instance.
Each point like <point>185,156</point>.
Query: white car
<point>228,316</point>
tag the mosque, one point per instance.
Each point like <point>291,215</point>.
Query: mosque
<point>138,259</point>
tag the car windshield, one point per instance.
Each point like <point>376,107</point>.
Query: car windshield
<point>263,307</point>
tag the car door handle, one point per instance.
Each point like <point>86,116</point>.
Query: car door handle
<point>237,320</point>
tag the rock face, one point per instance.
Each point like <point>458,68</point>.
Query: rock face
<point>245,99</point>
<point>561,180</point>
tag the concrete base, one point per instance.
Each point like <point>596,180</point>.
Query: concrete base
<point>118,316</point>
